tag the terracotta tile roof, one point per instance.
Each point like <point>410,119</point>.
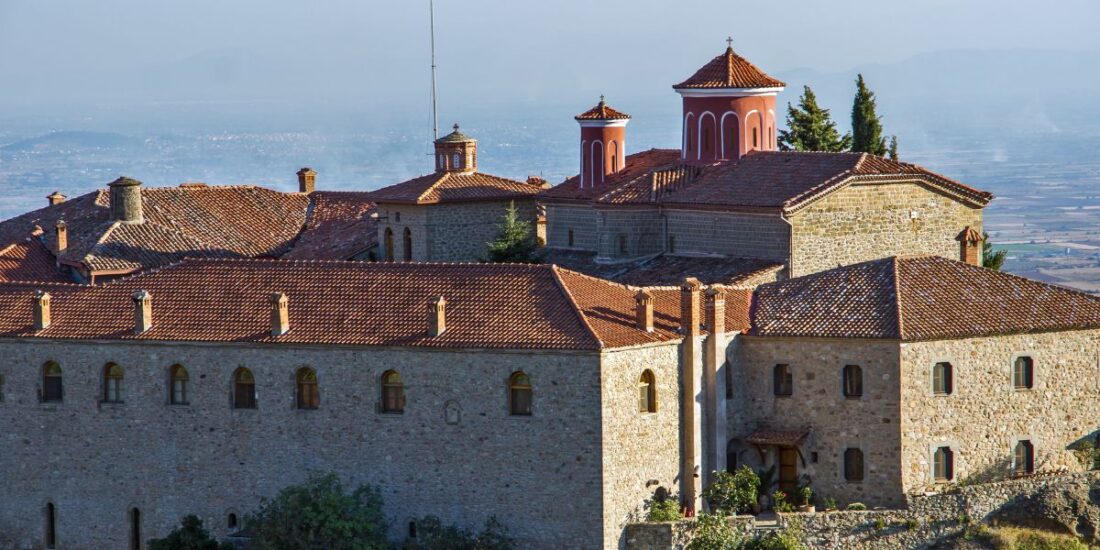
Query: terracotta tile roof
<point>792,180</point>
<point>455,137</point>
<point>121,248</point>
<point>638,165</point>
<point>602,111</point>
<point>918,298</point>
<point>440,187</point>
<point>501,306</point>
<point>663,270</point>
<point>340,226</point>
<point>782,438</point>
<point>28,260</point>
<point>729,70</point>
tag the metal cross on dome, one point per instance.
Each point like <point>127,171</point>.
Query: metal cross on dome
<point>729,42</point>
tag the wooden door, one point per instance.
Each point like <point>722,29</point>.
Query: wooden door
<point>788,470</point>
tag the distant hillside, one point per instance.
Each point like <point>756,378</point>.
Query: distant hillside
<point>72,139</point>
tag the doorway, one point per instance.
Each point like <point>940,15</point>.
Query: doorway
<point>788,469</point>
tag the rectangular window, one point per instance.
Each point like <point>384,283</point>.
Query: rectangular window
<point>622,244</point>
<point>853,381</point>
<point>943,464</point>
<point>1024,458</point>
<point>783,381</point>
<point>570,237</point>
<point>853,464</point>
<point>942,375</point>
<point>1022,373</point>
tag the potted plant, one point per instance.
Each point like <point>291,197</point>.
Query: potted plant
<point>767,481</point>
<point>780,502</point>
<point>830,504</point>
<point>807,496</point>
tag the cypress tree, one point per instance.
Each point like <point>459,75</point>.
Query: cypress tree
<point>893,147</point>
<point>866,124</point>
<point>811,128</point>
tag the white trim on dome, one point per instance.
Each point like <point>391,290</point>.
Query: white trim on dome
<point>617,123</point>
<point>728,92</point>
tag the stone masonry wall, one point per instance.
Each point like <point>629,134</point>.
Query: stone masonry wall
<point>398,217</point>
<point>866,222</point>
<point>818,405</point>
<point>1061,409</point>
<point>643,231</point>
<point>641,450</point>
<point>457,232</point>
<point>729,233</point>
<point>455,452</point>
<point>581,219</point>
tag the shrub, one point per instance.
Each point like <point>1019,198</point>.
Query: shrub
<point>786,539</point>
<point>880,524</point>
<point>320,514</point>
<point>733,493</point>
<point>1088,454</point>
<point>911,524</point>
<point>780,502</point>
<point>963,519</point>
<point>830,504</point>
<point>806,494</point>
<point>667,509</point>
<point>857,506</point>
<point>1014,538</point>
<point>714,532</point>
<point>190,535</point>
<point>431,534</point>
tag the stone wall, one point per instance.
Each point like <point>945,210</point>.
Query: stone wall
<point>818,406</point>
<point>455,452</point>
<point>1059,410</point>
<point>734,234</point>
<point>640,231</point>
<point>563,218</point>
<point>449,232</point>
<point>865,222</point>
<point>641,450</point>
<point>397,218</point>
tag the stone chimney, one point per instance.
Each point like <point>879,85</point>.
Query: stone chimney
<point>143,311</point>
<point>643,310</point>
<point>307,180</point>
<point>437,316</point>
<point>41,310</point>
<point>690,291</point>
<point>970,246</point>
<point>126,200</point>
<point>280,318</point>
<point>714,355</point>
<point>61,231</point>
<point>56,198</point>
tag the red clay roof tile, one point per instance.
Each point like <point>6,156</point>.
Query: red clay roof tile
<point>602,111</point>
<point>341,225</point>
<point>441,187</point>
<point>729,70</point>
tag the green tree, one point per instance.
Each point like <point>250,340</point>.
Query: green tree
<point>866,124</point>
<point>431,534</point>
<point>320,514</point>
<point>190,535</point>
<point>733,493</point>
<point>893,153</point>
<point>515,242</point>
<point>811,128</point>
<point>714,532</point>
<point>991,259</point>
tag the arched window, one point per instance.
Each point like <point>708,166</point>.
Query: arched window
<point>853,381</point>
<point>408,245</point>
<point>388,244</point>
<point>112,383</point>
<point>1024,458</point>
<point>393,392</point>
<point>442,161</point>
<point>135,529</point>
<point>519,394</point>
<point>853,464</point>
<point>179,379</point>
<point>647,393</point>
<point>308,395</point>
<point>943,378</point>
<point>244,389</point>
<point>52,389</point>
<point>570,237</point>
<point>943,464</point>
<point>614,163</point>
<point>622,244</point>
<point>755,138</point>
<point>457,161</point>
<point>231,521</point>
<point>1023,376</point>
<point>51,525</point>
<point>783,381</point>
<point>672,244</point>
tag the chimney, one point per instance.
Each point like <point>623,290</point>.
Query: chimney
<point>307,180</point>
<point>970,246</point>
<point>437,316</point>
<point>690,312</point>
<point>643,310</point>
<point>280,319</point>
<point>56,198</point>
<point>690,486</point>
<point>715,310</point>
<point>126,200</point>
<point>61,231</point>
<point>41,310</point>
<point>143,311</point>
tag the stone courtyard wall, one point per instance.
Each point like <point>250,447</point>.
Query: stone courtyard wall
<point>455,452</point>
<point>864,222</point>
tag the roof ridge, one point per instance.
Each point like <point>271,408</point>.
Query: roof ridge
<point>442,177</point>
<point>897,297</point>
<point>556,276</point>
<point>971,267</point>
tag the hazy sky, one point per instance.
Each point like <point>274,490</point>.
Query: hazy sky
<point>376,52</point>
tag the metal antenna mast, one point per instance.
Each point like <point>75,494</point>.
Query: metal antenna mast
<point>435,116</point>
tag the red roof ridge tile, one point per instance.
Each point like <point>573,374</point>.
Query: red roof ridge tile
<point>897,297</point>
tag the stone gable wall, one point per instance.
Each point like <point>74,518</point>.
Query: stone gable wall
<point>730,233</point>
<point>581,219</point>
<point>834,422</point>
<point>864,222</point>
<point>985,415</point>
<point>456,232</point>
<point>413,217</point>
<point>540,475</point>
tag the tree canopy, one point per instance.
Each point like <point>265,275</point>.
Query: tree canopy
<point>515,241</point>
<point>866,124</point>
<point>811,128</point>
<point>320,514</point>
<point>190,535</point>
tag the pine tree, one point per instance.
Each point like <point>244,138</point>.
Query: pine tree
<point>515,242</point>
<point>893,148</point>
<point>811,128</point>
<point>866,124</point>
<point>990,259</point>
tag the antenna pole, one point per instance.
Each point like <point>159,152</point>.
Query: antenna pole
<point>435,116</point>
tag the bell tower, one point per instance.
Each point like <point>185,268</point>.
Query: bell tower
<point>729,109</point>
<point>456,152</point>
<point>603,143</point>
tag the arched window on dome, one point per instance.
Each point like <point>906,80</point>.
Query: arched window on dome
<point>457,161</point>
